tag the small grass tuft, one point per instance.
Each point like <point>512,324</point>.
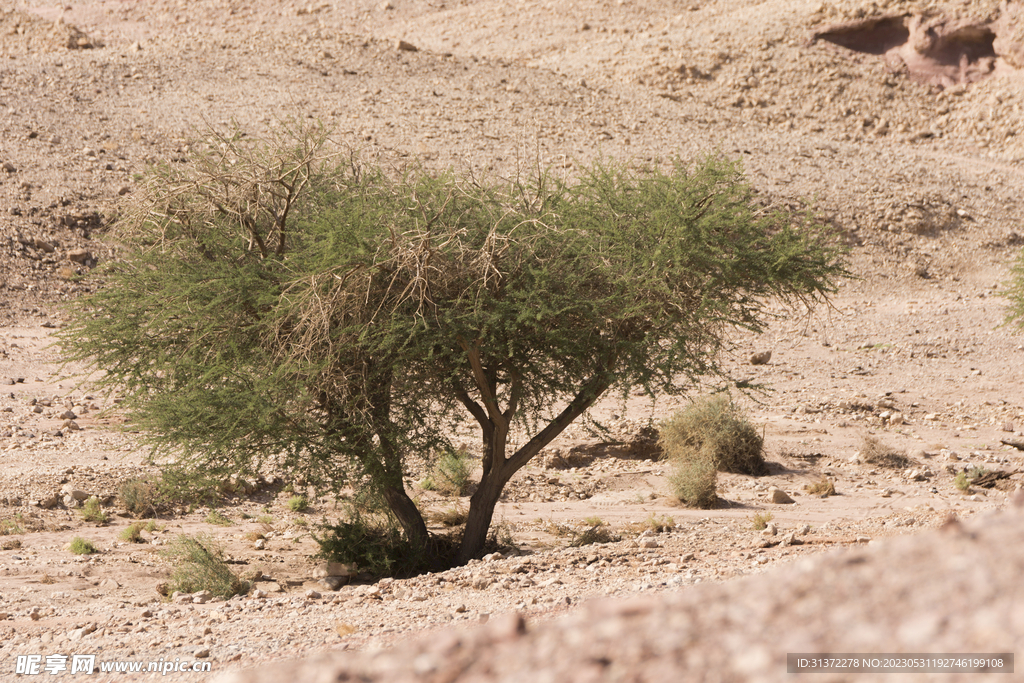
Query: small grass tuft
<point>962,482</point>
<point>874,452</point>
<point>594,520</point>
<point>199,565</point>
<point>92,511</point>
<point>298,503</point>
<point>761,519</point>
<point>659,524</point>
<point>80,546</point>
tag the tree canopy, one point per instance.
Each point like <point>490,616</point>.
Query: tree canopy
<point>279,306</point>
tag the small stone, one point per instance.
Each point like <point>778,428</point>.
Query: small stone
<point>34,614</point>
<point>403,46</point>
<point>650,543</point>
<point>68,415</point>
<point>259,593</point>
<point>313,595</point>
<point>201,597</point>
<point>260,544</point>
<point>325,569</point>
<point>863,539</point>
<point>770,530</point>
<point>686,557</point>
<point>201,653</point>
<point>781,497</point>
<point>461,609</point>
<point>71,426</point>
<point>761,358</point>
<point>9,167</point>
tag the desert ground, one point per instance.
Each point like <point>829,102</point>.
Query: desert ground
<point>899,120</point>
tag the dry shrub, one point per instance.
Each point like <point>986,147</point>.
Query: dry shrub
<point>717,430</point>
<point>456,515</point>
<point>594,534</point>
<point>695,481</point>
<point>874,452</point>
<point>199,565</point>
<point>825,487</point>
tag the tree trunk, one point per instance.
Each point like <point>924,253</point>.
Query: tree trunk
<point>478,522</point>
<point>408,516</point>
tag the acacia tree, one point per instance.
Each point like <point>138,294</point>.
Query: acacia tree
<point>277,306</point>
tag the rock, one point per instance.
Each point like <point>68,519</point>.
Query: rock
<point>68,415</point>
<point>770,530</point>
<point>481,582</point>
<point>259,593</point>
<point>260,544</point>
<point>650,543</point>
<point>201,653</point>
<point>77,494</point>
<point>34,614</point>
<point>896,419</point>
<point>780,497</point>
<point>9,167</point>
<point>313,595</point>
<point>71,426</point>
<point>202,597</point>
<point>403,46</point>
<point>761,358</point>
<point>493,557</point>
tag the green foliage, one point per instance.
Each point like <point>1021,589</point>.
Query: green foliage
<point>450,473</point>
<point>279,305</point>
<point>962,482</point>
<point>265,519</point>
<point>198,564</point>
<point>594,520</point>
<point>92,511</point>
<point>874,452</point>
<point>80,546</point>
<point>140,497</point>
<point>298,503</point>
<point>715,429</point>
<point>219,518</point>
<point>133,533</point>
<point>761,519</point>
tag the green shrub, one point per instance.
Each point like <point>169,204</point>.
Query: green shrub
<point>874,452</point>
<point>374,542</point>
<point>962,482</point>
<point>593,520</point>
<point>198,564</point>
<point>714,429</point>
<point>761,520</point>
<point>80,546</point>
<point>92,511</point>
<point>140,497</point>
<point>694,481</point>
<point>297,503</point>
<point>133,533</point>
<point>450,473</point>
<point>265,519</point>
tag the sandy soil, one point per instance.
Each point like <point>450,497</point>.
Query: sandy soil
<point>915,161</point>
